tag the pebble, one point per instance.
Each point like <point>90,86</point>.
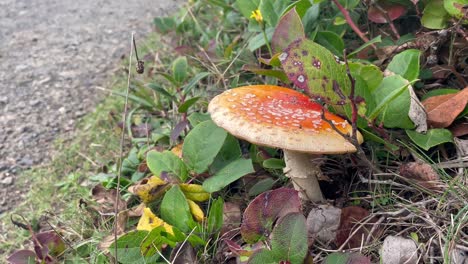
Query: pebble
<point>52,53</point>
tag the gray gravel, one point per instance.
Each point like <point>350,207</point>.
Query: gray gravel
<point>52,55</point>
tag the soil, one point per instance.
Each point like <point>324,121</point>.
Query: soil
<point>53,54</point>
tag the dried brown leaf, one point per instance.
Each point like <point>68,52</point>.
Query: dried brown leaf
<point>350,219</point>
<point>420,172</point>
<point>443,109</point>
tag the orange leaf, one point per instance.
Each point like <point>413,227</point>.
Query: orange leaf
<point>443,109</point>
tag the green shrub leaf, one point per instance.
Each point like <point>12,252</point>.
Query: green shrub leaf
<point>406,64</point>
<point>166,161</point>
<point>230,173</point>
<point>433,137</point>
<point>175,209</point>
<point>289,238</point>
<point>202,145</point>
<point>179,69</point>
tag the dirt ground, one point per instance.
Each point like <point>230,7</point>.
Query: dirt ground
<point>52,56</point>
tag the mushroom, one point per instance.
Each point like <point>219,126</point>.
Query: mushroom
<point>283,118</point>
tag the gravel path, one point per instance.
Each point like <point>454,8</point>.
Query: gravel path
<point>52,55</point>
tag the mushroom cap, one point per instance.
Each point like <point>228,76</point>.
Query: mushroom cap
<point>279,117</point>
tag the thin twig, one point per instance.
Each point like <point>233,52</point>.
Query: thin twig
<point>122,140</point>
<point>351,23</point>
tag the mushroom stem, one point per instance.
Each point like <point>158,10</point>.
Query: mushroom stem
<point>303,170</point>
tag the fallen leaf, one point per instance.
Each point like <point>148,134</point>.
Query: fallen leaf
<point>349,221</point>
<point>265,210</point>
<point>106,199</point>
<point>232,217</point>
<point>22,256</point>
<point>399,250</point>
<point>416,113</point>
<point>323,222</point>
<point>393,10</point>
<point>443,109</point>
<point>462,146</point>
<point>183,253</point>
<point>420,172</point>
<point>460,129</point>
<point>148,221</point>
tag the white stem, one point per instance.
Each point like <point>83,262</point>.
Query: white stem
<point>303,170</point>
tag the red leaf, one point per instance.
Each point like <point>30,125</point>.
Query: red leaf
<point>23,256</point>
<point>394,11</point>
<point>265,209</point>
<point>443,109</point>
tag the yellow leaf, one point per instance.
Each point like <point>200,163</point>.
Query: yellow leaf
<point>196,210</point>
<point>148,221</point>
<point>177,150</point>
<point>149,189</point>
<point>194,192</point>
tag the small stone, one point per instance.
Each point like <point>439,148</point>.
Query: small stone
<point>7,181</point>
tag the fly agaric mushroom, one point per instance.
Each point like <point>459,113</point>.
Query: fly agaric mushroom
<point>279,117</point>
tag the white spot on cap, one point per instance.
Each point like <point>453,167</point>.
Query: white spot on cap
<point>301,78</point>
<point>283,56</point>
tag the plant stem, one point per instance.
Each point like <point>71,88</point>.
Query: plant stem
<point>266,40</point>
<point>351,23</point>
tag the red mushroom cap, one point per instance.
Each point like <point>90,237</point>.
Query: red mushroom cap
<point>280,117</point>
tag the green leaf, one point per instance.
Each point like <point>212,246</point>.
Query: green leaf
<point>406,64</point>
<point>264,256</point>
<point>166,161</point>
<point>370,73</point>
<point>164,24</point>
<point>274,164</point>
<point>228,174</point>
<point>261,186</point>
<point>202,145</point>
<point>346,258</point>
<point>289,238</point>
<point>247,6</point>
<point>433,137</point>
<point>160,90</point>
<point>230,152</point>
<point>455,8</point>
<point>194,81</point>
<point>434,15</point>
<point>155,240</point>
<point>393,103</point>
<point>175,209</point>
<point>279,74</point>
<point>179,69</point>
<point>331,41</point>
<point>268,12</point>
<point>128,248</point>
<point>259,40</point>
<point>377,39</point>
<point>215,216</point>
<point>196,118</point>
<point>183,108</point>
<point>315,70</point>
<point>289,28</point>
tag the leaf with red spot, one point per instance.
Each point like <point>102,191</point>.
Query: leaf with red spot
<point>376,14</point>
<point>289,28</point>
<point>315,70</point>
<point>266,209</point>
